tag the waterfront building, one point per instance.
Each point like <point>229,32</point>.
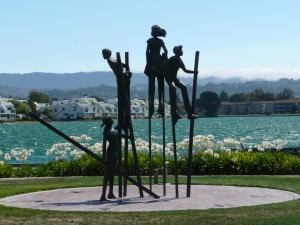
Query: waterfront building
<point>80,108</point>
<point>7,110</point>
<point>88,108</point>
<point>139,108</point>
<point>289,106</point>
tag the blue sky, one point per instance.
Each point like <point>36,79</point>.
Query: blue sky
<point>247,38</point>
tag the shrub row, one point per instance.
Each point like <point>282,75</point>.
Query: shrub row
<point>241,163</point>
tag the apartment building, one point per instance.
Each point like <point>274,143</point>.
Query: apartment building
<point>289,106</point>
<point>88,108</point>
<point>7,110</point>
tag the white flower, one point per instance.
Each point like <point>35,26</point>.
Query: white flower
<point>48,152</point>
<point>153,137</point>
<point>231,141</point>
<point>220,144</point>
<point>216,155</point>
<point>228,151</point>
<point>1,163</point>
<point>7,157</point>
<point>30,152</point>
<point>210,137</point>
<point>170,145</point>
<point>96,148</point>
<point>14,153</point>
<point>278,144</point>
<point>267,145</point>
<point>250,149</point>
<point>209,152</point>
<point>85,138</point>
<point>259,148</point>
<point>75,138</point>
<point>234,159</point>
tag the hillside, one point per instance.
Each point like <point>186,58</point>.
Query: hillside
<point>84,79</point>
<point>103,84</point>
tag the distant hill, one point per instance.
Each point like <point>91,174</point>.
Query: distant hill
<point>19,93</point>
<point>103,84</point>
<point>248,86</point>
<point>83,79</point>
<point>59,81</point>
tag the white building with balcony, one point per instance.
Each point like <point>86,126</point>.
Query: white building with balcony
<point>139,108</point>
<point>7,110</point>
<point>81,108</point>
<point>88,108</point>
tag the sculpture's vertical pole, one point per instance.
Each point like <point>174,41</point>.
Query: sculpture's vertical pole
<point>190,154</point>
<point>120,124</point>
<point>164,143</point>
<point>172,93</point>
<point>150,134</point>
<point>126,134</point>
<point>175,158</point>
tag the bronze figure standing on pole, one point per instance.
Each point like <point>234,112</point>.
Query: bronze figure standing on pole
<point>154,66</point>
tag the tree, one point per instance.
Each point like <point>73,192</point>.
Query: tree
<point>209,102</point>
<point>99,99</point>
<point>21,107</point>
<point>224,97</point>
<point>238,97</point>
<point>39,97</point>
<point>287,93</point>
<point>260,95</point>
<point>47,112</point>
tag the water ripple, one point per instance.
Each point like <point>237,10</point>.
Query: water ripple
<point>38,137</point>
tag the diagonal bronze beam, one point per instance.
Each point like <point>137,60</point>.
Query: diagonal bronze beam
<point>90,153</point>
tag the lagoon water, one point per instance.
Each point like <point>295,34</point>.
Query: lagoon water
<point>39,138</point>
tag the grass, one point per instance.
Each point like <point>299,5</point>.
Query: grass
<point>280,213</point>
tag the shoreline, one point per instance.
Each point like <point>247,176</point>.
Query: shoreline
<point>200,117</point>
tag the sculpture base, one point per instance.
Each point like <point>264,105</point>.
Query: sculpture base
<point>202,197</point>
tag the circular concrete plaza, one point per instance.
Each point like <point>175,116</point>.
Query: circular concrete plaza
<point>202,197</point>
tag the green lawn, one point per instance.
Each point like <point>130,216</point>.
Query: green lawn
<point>280,213</point>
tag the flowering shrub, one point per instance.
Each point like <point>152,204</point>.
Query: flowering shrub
<point>201,143</point>
<point>67,150</point>
<point>19,155</point>
<point>237,163</point>
<point>229,156</point>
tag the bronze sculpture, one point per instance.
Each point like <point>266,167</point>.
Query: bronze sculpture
<point>175,63</point>
<point>154,66</point>
<point>158,66</point>
<point>110,157</point>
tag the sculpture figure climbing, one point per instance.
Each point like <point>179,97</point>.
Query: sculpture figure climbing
<point>175,63</point>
